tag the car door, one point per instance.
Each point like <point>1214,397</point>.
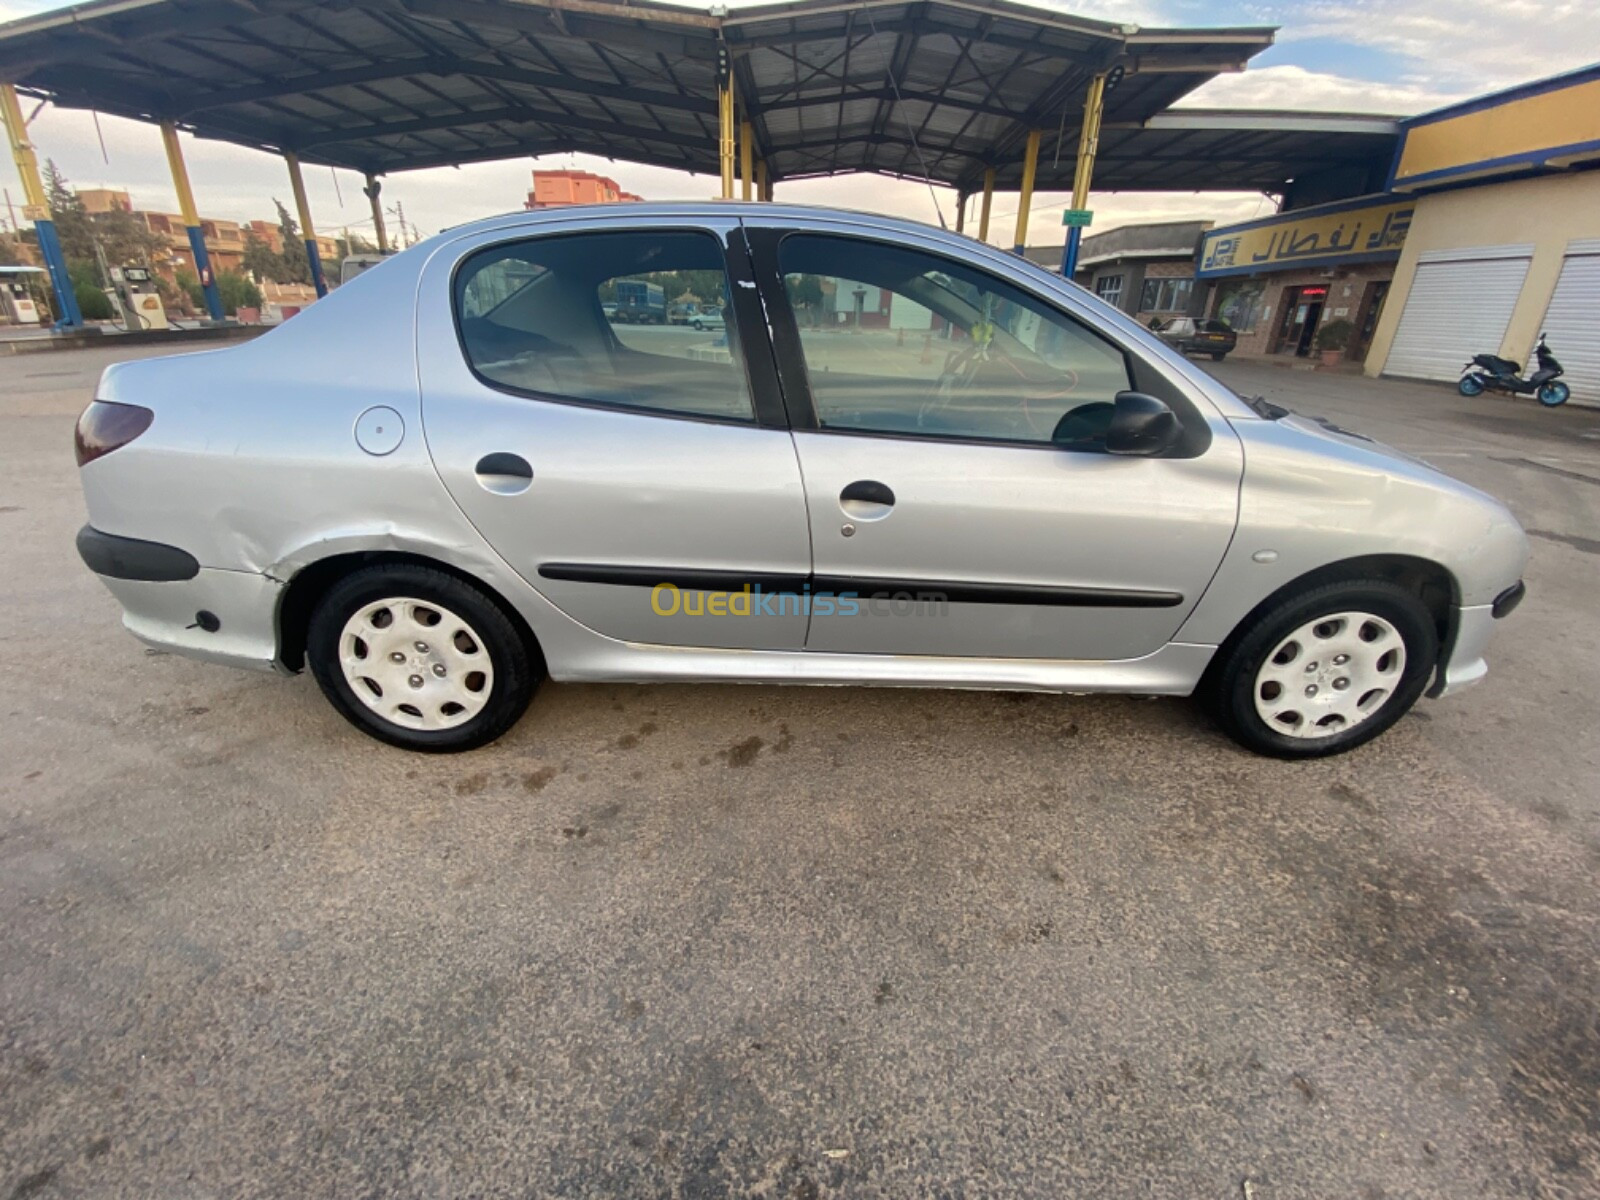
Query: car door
<point>950,427</point>
<point>641,477</point>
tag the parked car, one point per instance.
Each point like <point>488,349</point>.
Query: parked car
<point>708,318</point>
<point>435,489</point>
<point>609,308</point>
<point>1191,335</point>
<point>682,314</point>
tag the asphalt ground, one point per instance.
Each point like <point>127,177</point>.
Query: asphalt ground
<point>788,943</point>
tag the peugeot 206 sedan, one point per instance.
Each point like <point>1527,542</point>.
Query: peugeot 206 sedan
<point>909,459</point>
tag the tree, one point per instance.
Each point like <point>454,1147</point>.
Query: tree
<point>234,289</point>
<point>805,293</point>
<point>70,217</point>
<point>296,266</point>
<point>261,260</point>
<point>120,235</point>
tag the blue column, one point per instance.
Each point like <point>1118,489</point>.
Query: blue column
<point>202,268</point>
<point>1069,252</point>
<point>315,259</point>
<point>68,315</point>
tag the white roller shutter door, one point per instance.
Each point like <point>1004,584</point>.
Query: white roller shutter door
<point>1572,323</point>
<point>1459,305</point>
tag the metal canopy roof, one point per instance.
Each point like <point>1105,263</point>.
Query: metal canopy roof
<point>942,88</point>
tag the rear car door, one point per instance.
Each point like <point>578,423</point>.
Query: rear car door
<point>635,475</point>
<point>949,424</point>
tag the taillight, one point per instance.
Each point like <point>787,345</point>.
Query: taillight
<point>105,427</point>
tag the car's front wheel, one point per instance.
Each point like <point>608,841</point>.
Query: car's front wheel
<point>1324,671</point>
<point>419,658</point>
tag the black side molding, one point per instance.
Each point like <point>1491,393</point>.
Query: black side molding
<point>1506,602</point>
<point>130,558</point>
<point>692,579</point>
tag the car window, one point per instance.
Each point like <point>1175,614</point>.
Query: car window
<point>583,317</point>
<point>900,341</point>
<point>1218,327</point>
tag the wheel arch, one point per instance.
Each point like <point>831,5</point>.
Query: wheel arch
<point>1431,582</point>
<point>308,585</point>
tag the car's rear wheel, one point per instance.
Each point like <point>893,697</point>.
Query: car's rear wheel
<point>419,658</point>
<point>1218,355</point>
<point>1324,671</point>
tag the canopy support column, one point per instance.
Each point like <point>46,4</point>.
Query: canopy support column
<point>747,154</point>
<point>761,179</point>
<point>191,220</point>
<point>961,212</point>
<point>988,200</point>
<point>1030,168</point>
<point>725,123</point>
<point>372,191</point>
<point>1088,145</point>
<point>36,207</point>
<point>307,231</point>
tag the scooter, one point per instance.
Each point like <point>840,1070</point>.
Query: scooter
<point>1490,372</point>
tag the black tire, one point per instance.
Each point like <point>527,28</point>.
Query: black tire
<point>1218,355</point>
<point>516,671</point>
<point>1227,692</point>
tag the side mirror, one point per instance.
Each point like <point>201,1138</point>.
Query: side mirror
<point>1142,425</point>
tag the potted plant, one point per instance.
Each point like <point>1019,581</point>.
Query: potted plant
<point>1333,338</point>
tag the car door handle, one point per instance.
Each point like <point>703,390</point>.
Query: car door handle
<point>504,474</point>
<point>867,500</point>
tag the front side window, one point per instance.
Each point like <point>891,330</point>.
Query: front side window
<point>903,342</point>
<point>583,318</point>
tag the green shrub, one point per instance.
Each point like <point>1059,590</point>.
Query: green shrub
<point>1335,334</point>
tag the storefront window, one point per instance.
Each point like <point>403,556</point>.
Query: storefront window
<point>1165,295</point>
<point>1239,303</point>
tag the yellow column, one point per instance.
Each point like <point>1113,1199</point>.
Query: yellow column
<point>746,159</point>
<point>1030,167</point>
<point>1088,144</point>
<point>36,208</point>
<point>725,118</point>
<point>307,230</point>
<point>988,200</point>
<point>373,190</point>
<point>191,219</point>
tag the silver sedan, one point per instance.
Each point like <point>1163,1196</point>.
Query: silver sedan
<point>910,459</point>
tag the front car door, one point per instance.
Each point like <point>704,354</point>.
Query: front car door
<point>636,475</point>
<point>950,425</point>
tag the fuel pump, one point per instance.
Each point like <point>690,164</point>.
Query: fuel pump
<point>141,302</point>
<point>16,302</point>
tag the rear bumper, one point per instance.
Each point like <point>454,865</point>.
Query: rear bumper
<point>172,603</point>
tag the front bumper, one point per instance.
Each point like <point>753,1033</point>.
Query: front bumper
<point>227,617</point>
<point>1462,663</point>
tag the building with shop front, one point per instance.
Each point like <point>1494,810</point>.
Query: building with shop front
<point>1148,270</point>
<point>1504,242</point>
<point>1485,233</point>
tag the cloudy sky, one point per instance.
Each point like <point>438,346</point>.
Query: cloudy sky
<point>1391,56</point>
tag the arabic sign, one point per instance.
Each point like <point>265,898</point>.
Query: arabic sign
<point>1372,231</point>
<point>1077,218</point>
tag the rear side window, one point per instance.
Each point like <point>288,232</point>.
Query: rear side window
<point>583,318</point>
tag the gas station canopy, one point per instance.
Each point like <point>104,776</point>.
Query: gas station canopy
<point>938,89</point>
